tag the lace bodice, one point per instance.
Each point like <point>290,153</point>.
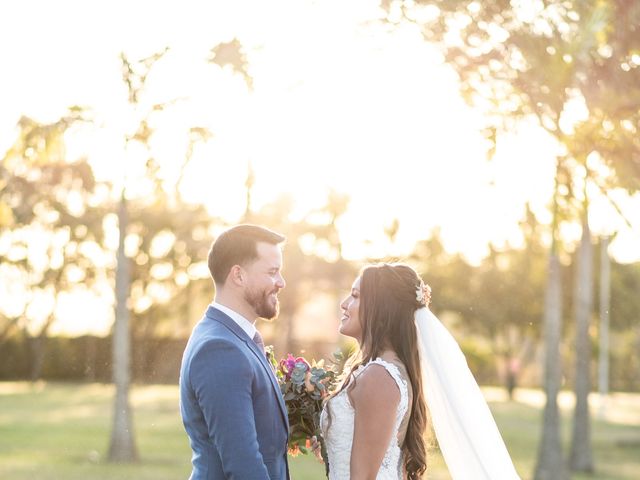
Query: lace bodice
<point>338,434</point>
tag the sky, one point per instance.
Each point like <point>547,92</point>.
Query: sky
<point>340,102</point>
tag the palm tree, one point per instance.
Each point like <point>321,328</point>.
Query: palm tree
<point>550,464</point>
<point>135,74</point>
<point>122,446</point>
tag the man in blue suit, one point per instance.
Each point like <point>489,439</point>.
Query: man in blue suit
<point>231,405</point>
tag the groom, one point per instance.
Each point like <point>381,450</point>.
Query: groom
<point>231,405</point>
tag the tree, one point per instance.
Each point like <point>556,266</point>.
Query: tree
<point>160,216</point>
<point>603,334</point>
<point>625,328</point>
<point>50,229</point>
<point>540,62</point>
<point>502,301</point>
<point>550,463</point>
<point>505,298</point>
<point>581,456</point>
<point>122,447</point>
<point>170,240</point>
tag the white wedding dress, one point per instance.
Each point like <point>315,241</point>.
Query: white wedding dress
<point>469,439</point>
<point>338,431</point>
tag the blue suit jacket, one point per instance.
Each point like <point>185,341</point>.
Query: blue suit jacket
<point>231,405</point>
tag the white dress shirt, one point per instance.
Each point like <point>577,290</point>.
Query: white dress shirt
<point>242,322</point>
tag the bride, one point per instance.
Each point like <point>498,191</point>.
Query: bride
<point>374,424</point>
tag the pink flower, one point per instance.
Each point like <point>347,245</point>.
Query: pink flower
<point>287,365</point>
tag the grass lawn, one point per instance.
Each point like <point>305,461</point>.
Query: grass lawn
<point>61,431</point>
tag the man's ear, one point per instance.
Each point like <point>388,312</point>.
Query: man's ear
<point>237,275</point>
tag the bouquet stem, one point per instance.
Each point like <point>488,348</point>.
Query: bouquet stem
<point>323,452</point>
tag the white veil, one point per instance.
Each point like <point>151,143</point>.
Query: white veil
<point>467,434</point>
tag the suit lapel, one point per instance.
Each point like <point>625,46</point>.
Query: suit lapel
<point>223,318</point>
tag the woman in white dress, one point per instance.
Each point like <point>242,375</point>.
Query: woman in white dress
<point>374,425</point>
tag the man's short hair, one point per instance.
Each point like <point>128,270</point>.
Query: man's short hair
<point>237,246</point>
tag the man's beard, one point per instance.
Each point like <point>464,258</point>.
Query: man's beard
<point>259,301</point>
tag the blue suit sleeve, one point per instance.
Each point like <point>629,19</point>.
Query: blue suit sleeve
<point>221,377</point>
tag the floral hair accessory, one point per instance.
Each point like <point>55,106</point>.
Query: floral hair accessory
<point>423,294</point>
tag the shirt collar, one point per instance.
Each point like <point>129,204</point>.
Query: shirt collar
<point>248,327</point>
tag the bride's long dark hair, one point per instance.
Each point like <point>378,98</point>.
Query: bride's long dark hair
<point>387,306</point>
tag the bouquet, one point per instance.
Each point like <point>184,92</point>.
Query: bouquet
<point>304,386</point>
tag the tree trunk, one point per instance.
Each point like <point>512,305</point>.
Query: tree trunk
<point>581,455</point>
<point>38,349</point>
<point>37,346</point>
<point>122,447</point>
<point>550,465</point>
<point>605,299</point>
<point>511,374</point>
<point>91,348</point>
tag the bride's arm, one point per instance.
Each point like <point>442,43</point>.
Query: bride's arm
<point>375,398</point>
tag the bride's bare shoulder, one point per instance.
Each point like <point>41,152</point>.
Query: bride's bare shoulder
<point>375,385</point>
